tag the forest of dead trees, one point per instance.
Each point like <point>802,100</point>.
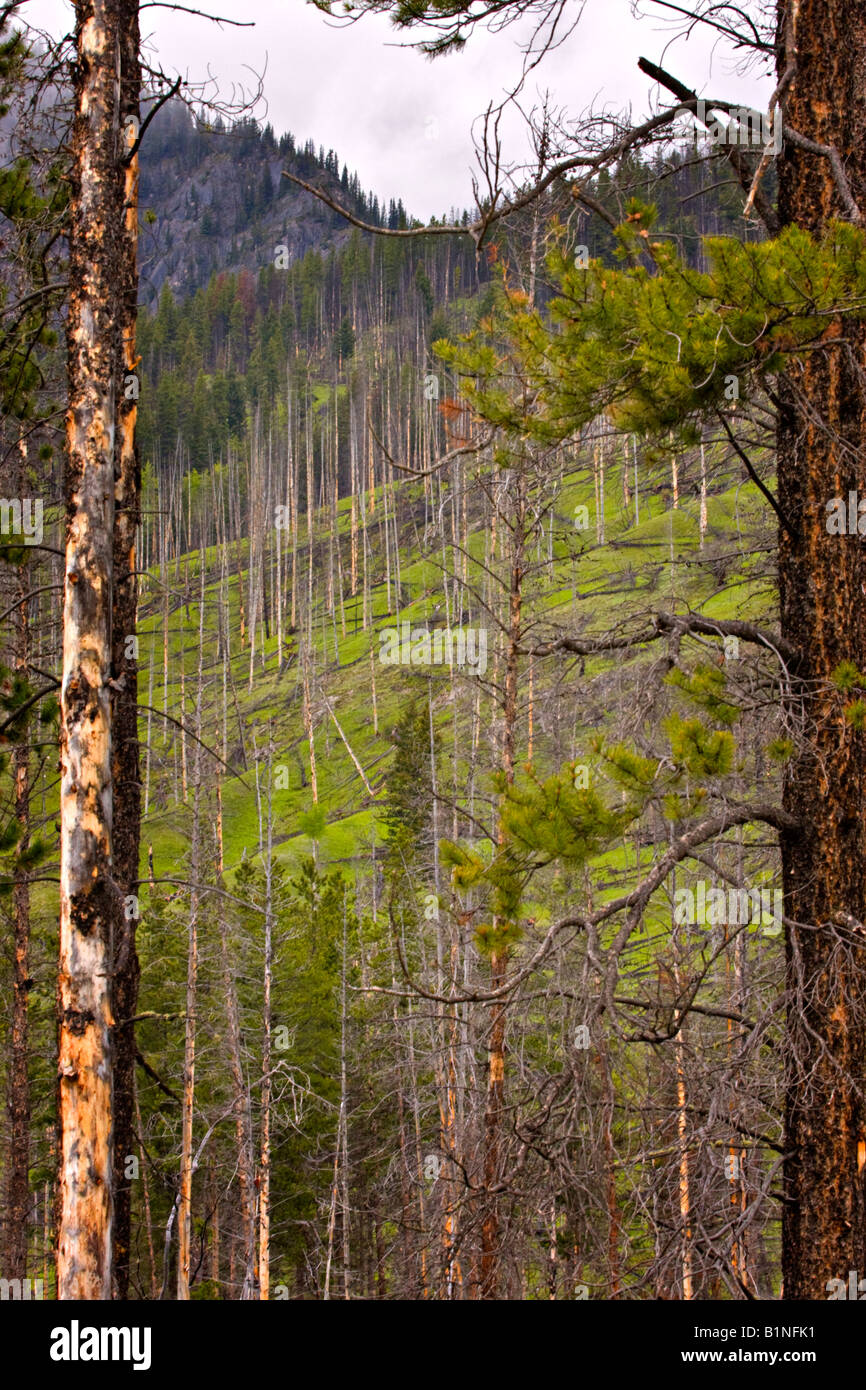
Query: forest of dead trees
<point>432,854</point>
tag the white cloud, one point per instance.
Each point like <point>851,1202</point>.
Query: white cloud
<point>357,90</point>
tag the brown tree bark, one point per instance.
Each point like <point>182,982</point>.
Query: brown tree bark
<point>125,769</point>
<point>90,898</point>
<point>822,577</point>
<point>267,1021</point>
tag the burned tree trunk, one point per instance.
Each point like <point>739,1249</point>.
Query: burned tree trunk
<point>494,1115</point>
<point>88,894</point>
<point>17,1196</point>
<point>821,436</point>
<point>124,704</point>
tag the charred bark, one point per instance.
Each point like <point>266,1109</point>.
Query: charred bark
<point>822,578</point>
<point>126,775</point>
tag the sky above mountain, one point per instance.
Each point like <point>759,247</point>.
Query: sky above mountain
<point>403,122</point>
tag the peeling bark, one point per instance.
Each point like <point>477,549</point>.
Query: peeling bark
<point>88,893</point>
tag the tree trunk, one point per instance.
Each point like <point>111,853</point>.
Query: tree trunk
<point>822,579</point>
<point>125,768</point>
<point>17,1203</point>
<point>88,892</point>
<point>265,1159</point>
<point>499,959</point>
<point>187,1167</point>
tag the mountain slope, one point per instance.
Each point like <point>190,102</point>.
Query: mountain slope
<point>214,198</point>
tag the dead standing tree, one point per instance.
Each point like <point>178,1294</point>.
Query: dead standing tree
<point>88,893</point>
<point>126,830</point>
<point>100,794</point>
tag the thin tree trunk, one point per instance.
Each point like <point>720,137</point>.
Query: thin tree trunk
<point>265,1151</point>
<point>243,1126</point>
<point>344,1108</point>
<point>358,768</point>
<point>308,712</point>
<point>702,522</point>
<point>17,1200</point>
<point>125,768</point>
<point>495,1109</point>
<point>684,1177</point>
<point>148,1221</point>
<point>184,1228</point>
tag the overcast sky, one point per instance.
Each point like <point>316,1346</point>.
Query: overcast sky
<point>404,122</point>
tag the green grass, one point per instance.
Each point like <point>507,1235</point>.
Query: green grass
<point>588,587</point>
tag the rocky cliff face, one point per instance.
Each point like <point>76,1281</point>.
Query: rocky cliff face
<point>214,199</point>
